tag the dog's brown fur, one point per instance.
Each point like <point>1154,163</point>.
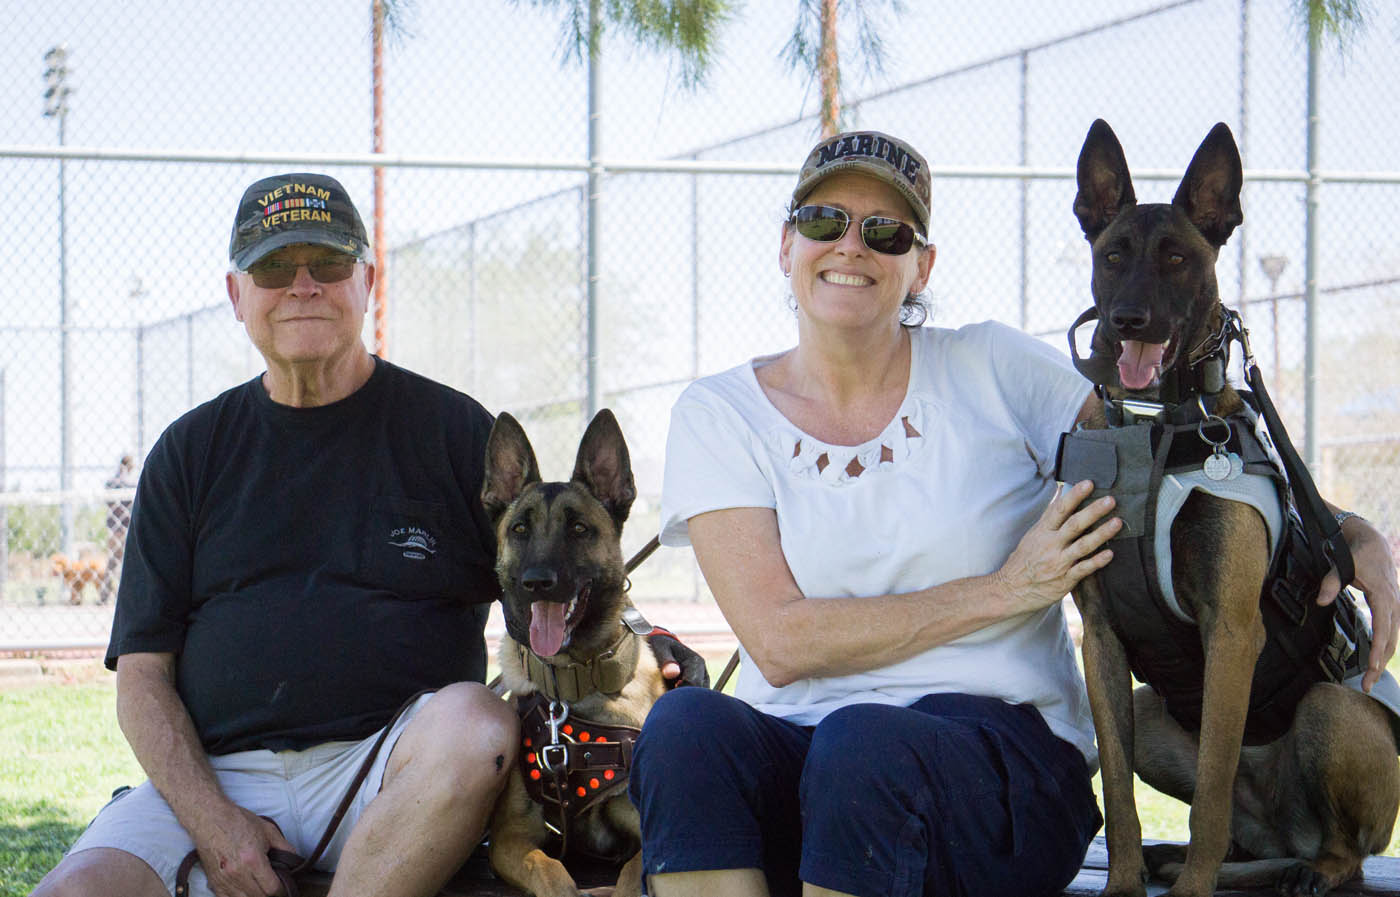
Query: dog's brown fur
<point>1310,806</point>
<point>558,541</point>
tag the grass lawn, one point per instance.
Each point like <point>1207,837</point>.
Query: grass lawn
<point>61,755</point>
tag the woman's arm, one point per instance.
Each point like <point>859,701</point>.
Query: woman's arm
<point>791,637</point>
<point>1375,576</point>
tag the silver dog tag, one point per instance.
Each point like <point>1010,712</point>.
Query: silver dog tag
<point>1236,466</point>
<point>1217,466</point>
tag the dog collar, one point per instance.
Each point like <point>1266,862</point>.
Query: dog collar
<point>1200,372</point>
<point>573,681</point>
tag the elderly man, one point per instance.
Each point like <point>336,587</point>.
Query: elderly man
<point>307,551</point>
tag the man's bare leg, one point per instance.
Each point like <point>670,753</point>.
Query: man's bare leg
<point>101,871</point>
<point>443,776</point>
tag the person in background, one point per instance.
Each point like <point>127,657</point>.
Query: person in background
<point>118,521</point>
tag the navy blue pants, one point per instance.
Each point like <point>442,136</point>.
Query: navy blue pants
<point>954,795</point>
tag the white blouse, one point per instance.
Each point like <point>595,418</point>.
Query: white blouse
<point>945,492</point>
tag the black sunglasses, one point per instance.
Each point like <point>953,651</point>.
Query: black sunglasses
<point>827,224</point>
<point>276,274</point>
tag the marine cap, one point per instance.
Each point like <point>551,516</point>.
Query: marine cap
<point>881,156</point>
<point>295,208</point>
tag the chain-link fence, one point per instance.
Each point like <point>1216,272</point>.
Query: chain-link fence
<point>114,245</point>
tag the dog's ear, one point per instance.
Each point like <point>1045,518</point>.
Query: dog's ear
<point>510,466</point>
<point>604,468</point>
<point>1210,190</point>
<point>1105,187</point>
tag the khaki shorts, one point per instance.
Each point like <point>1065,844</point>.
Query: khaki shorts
<point>300,790</point>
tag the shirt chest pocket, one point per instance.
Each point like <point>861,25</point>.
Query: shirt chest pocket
<point>413,549</point>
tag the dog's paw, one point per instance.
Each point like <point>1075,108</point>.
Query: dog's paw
<point>1302,880</point>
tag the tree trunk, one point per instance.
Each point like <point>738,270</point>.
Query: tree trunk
<point>830,71</point>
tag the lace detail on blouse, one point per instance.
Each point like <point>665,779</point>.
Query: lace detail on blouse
<point>841,465</point>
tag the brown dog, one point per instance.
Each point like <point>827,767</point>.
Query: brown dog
<point>77,573</point>
<point>1306,807</point>
<point>569,660</point>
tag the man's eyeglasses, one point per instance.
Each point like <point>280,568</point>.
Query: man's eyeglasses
<point>827,224</point>
<point>276,274</point>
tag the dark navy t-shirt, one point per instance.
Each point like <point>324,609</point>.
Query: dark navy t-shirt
<point>311,568</point>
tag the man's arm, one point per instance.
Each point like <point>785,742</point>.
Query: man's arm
<point>232,842</point>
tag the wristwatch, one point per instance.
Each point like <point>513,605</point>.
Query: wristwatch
<point>1344,516</point>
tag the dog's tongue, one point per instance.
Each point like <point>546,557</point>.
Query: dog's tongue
<point>547,627</point>
<point>1140,363</point>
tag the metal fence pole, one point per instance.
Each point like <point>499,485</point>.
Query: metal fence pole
<point>1310,262</point>
<point>1024,126</point>
<point>65,374</point>
<point>189,360</point>
<point>141,390</point>
<point>473,337</point>
<point>1243,138</point>
<point>595,36</point>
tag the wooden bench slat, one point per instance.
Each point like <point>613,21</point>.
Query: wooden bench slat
<point>1382,879</point>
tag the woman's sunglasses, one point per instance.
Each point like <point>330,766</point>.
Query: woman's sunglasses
<point>277,274</point>
<point>827,224</point>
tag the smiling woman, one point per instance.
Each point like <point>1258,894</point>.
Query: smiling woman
<point>875,512</point>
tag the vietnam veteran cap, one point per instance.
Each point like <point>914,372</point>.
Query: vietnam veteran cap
<point>869,152</point>
<point>295,208</point>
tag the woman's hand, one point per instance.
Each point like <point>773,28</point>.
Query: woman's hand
<point>1375,577</point>
<point>1061,548</point>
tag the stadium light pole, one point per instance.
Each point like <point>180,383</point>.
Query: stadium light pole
<point>56,93</point>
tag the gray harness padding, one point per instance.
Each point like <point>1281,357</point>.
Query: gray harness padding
<point>1151,468</point>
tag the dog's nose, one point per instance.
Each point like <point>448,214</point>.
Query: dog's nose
<point>1130,319</point>
<point>538,579</point>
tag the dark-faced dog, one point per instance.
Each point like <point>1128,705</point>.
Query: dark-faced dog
<point>567,657</point>
<point>1304,809</point>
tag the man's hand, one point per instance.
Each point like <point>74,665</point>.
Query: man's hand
<point>679,665</point>
<point>234,854</point>
<point>1375,576</point>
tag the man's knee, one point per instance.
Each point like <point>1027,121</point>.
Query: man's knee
<point>99,872</point>
<point>465,736</point>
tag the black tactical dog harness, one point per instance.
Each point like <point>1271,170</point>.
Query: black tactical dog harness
<point>1150,459</point>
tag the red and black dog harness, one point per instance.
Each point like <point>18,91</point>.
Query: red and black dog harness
<point>570,764</point>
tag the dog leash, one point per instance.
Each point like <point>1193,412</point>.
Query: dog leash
<point>636,560</point>
<point>287,865</point>
<point>1322,526</point>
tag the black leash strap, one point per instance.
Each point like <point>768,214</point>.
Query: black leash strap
<point>285,864</point>
<point>1323,529</point>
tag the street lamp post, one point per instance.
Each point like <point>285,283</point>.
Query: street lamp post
<point>1272,266</point>
<point>56,93</point>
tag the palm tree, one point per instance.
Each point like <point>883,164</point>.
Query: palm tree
<point>813,47</point>
<point>1343,20</point>
<point>686,27</point>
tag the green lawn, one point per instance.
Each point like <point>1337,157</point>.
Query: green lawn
<point>61,755</point>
